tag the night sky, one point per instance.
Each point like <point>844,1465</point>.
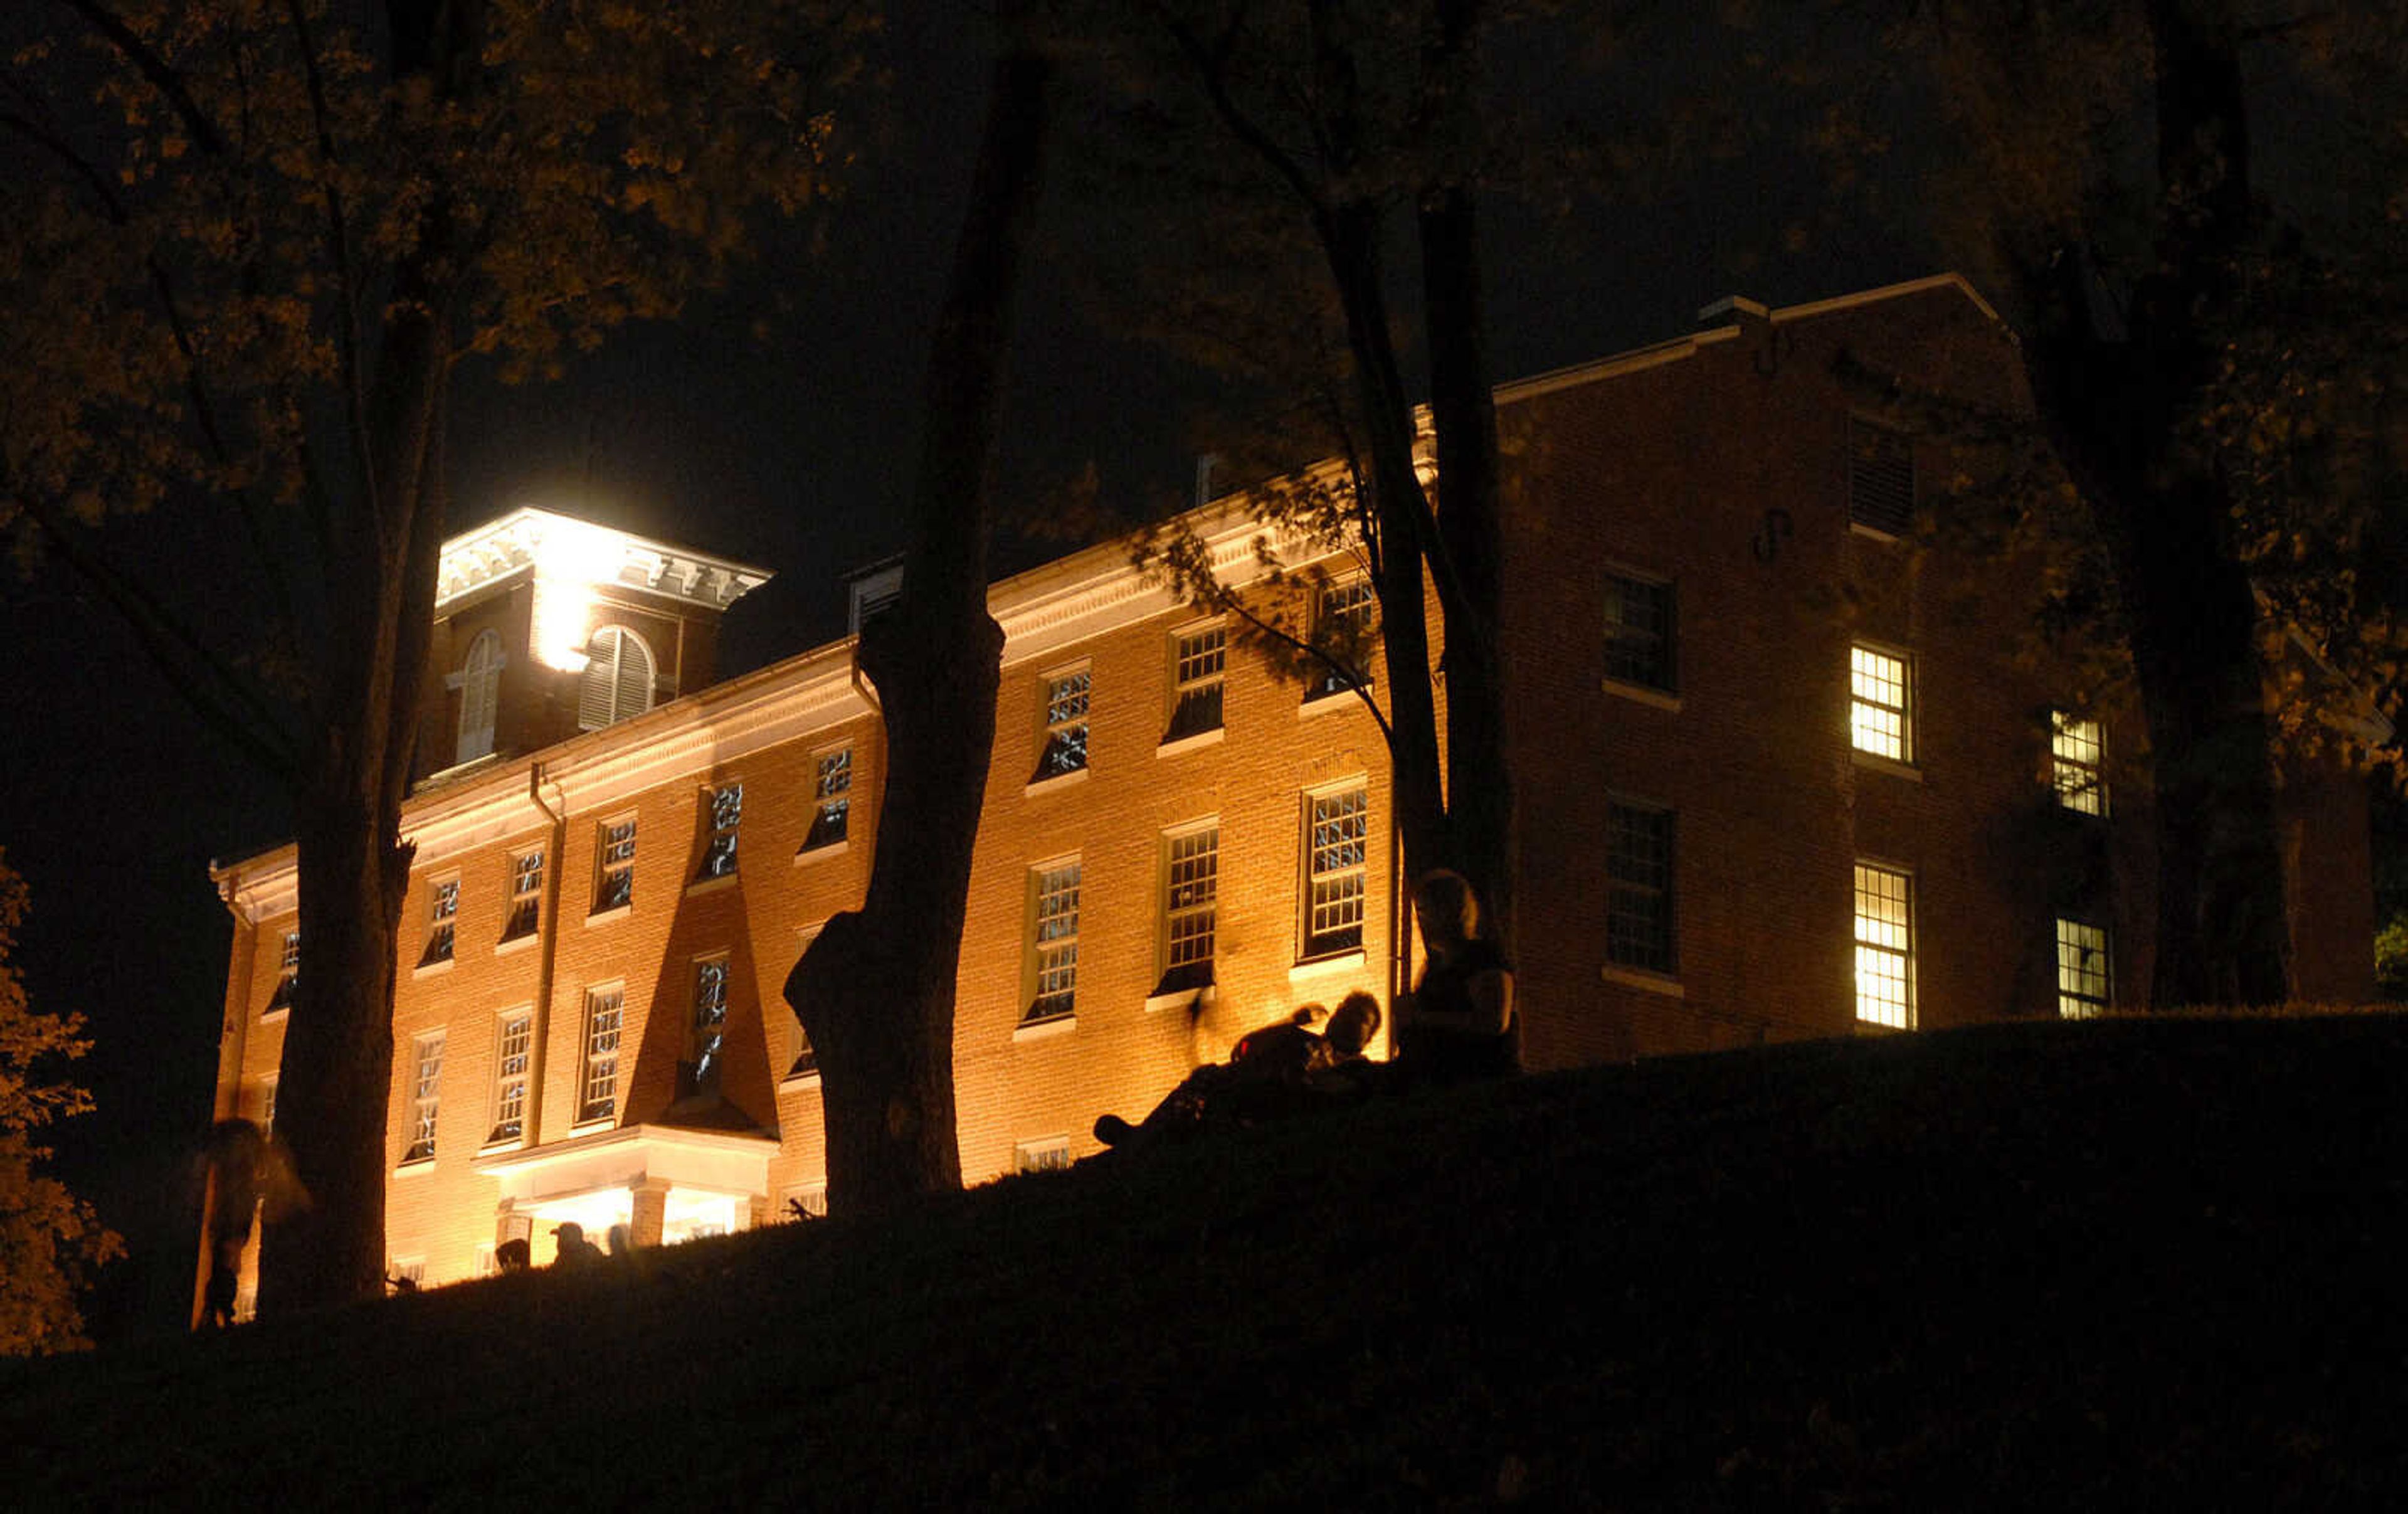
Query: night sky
<point>794,454</point>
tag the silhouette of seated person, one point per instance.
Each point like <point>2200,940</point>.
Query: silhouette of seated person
<point>512,1255</point>
<point>1276,1070</point>
<point>1459,1023</point>
<point>573,1249</point>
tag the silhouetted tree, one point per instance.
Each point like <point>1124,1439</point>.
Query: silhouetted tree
<point>243,249</point>
<point>875,990</point>
<point>51,1241</point>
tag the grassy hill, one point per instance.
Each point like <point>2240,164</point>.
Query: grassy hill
<point>2117,1265</point>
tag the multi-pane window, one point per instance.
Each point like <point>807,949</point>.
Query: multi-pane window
<point>513,1040</point>
<point>707,1033</point>
<point>424,1089</point>
<point>807,1201</point>
<point>831,798</point>
<point>1638,883</point>
<point>1639,632</point>
<point>1065,725</point>
<point>723,812</point>
<point>1881,478</point>
<point>597,1074</point>
<point>479,680</point>
<point>527,896</point>
<point>2083,980</point>
<point>442,913</point>
<point>1051,1155</point>
<point>616,887</point>
<point>1884,947</point>
<point>1053,941</point>
<point>1197,660</point>
<point>2076,752</point>
<point>1879,710</point>
<point>1337,849</point>
<point>1190,903</point>
<point>1341,631</point>
<point>617,682</point>
<point>288,974</point>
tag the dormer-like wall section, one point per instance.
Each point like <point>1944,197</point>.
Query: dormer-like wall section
<point>546,625</point>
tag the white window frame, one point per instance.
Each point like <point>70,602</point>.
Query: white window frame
<point>1190,892</point>
<point>1353,598</point>
<point>425,1096</point>
<point>2077,762</point>
<point>1049,973</point>
<point>1884,931</point>
<point>599,1036</point>
<point>721,814</point>
<point>1065,722</point>
<point>1197,671</point>
<point>508,1125</point>
<point>1315,941</point>
<point>442,922</point>
<point>1881,702</point>
<point>614,685</point>
<point>831,802</point>
<point>288,977</point>
<point>607,841</point>
<point>1044,1154</point>
<point>524,921</point>
<point>479,681</point>
<point>2086,969</point>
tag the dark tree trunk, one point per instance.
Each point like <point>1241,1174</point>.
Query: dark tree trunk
<point>382,555</point>
<point>875,991</point>
<point>2115,404</point>
<point>1462,411</point>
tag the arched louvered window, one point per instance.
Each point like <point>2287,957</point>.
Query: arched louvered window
<point>617,678</point>
<point>479,680</point>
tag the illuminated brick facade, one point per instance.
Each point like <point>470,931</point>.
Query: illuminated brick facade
<point>1701,539</point>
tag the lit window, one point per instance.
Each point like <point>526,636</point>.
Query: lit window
<point>724,811</point>
<point>442,912</point>
<point>1337,847</point>
<point>1879,714</point>
<point>1190,903</point>
<point>1054,941</point>
<point>513,1040</point>
<point>1639,632</point>
<point>479,681</point>
<point>706,1033</point>
<point>426,1086</point>
<point>807,1201</point>
<point>616,888</point>
<point>1639,880</point>
<point>1880,479</point>
<point>527,896</point>
<point>2084,982</point>
<point>1065,726</point>
<point>832,796</point>
<point>1051,1155</point>
<point>2076,752</point>
<point>598,1080</point>
<point>1884,947</point>
<point>617,682</point>
<point>1341,631</point>
<point>1197,658</point>
<point>288,975</point>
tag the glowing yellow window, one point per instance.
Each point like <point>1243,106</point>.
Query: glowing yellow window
<point>1881,714</point>
<point>1884,947</point>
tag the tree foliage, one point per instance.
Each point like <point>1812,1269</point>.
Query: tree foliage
<point>51,1241</point>
<point>243,248</point>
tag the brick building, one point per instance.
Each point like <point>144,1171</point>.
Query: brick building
<point>1781,772</point>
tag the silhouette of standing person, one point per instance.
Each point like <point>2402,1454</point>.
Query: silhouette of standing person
<point>573,1248</point>
<point>1460,1022</point>
<point>236,1153</point>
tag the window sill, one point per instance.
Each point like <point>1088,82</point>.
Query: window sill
<point>1875,762</point>
<point>270,1017</point>
<point>1872,533</point>
<point>824,849</point>
<point>712,885</point>
<point>1189,743</point>
<point>415,1168</point>
<point>508,945</point>
<point>800,1083</point>
<point>1640,694</point>
<point>1866,1027</point>
<point>1644,981</point>
<point>1045,1030</point>
<point>1331,703</point>
<point>431,969</point>
<point>501,1148</point>
<point>1058,782</point>
<point>1178,998</point>
<point>617,912</point>
<point>597,1122</point>
<point>1326,967</point>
